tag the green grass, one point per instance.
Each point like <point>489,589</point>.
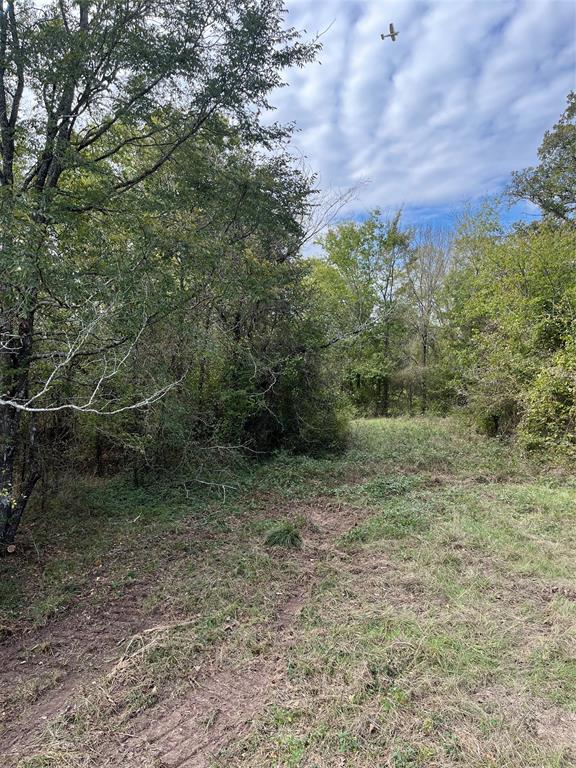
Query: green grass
<point>397,520</point>
<point>436,628</point>
<point>284,534</point>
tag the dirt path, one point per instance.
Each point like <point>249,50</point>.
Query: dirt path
<point>187,732</point>
<point>44,671</point>
<point>191,732</point>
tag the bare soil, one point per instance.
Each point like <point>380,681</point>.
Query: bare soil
<point>78,647</point>
<point>43,671</point>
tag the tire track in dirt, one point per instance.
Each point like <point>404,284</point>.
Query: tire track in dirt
<point>220,707</point>
<point>41,672</point>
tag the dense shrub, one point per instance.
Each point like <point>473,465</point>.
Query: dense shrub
<point>549,421</point>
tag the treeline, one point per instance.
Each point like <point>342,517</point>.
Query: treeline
<point>156,311</point>
<point>482,317</point>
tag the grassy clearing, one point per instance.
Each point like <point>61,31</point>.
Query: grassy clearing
<point>438,627</point>
<point>448,637</point>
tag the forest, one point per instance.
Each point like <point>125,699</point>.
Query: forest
<point>182,307</point>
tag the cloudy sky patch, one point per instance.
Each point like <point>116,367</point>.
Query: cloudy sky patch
<point>441,116</point>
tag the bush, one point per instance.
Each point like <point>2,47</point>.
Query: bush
<point>549,422</point>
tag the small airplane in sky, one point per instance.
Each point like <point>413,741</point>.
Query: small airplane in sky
<point>393,33</point>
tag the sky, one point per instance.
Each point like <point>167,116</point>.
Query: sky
<point>439,118</point>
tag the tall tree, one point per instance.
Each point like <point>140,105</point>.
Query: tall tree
<point>359,281</point>
<point>424,274</point>
<point>96,97</point>
<point>551,185</point>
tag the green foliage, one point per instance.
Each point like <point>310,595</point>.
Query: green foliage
<point>512,301</point>
<point>552,184</point>
<point>153,294</point>
<point>357,284</point>
<point>549,420</point>
<point>284,534</point>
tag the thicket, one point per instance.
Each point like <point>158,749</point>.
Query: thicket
<point>153,299</point>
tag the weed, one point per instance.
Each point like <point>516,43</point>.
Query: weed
<point>394,522</point>
<point>384,487</point>
<point>284,534</point>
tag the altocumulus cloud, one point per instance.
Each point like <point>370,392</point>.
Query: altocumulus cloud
<point>442,115</point>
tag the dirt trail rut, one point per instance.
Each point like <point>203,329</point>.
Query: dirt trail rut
<point>188,732</point>
<point>191,733</point>
<point>42,671</point>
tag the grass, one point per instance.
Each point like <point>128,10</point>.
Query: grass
<point>284,534</point>
<point>436,626</point>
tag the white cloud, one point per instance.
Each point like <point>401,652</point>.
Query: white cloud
<point>440,116</point>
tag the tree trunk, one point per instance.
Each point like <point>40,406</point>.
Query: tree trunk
<point>15,486</point>
<point>386,393</point>
<point>18,466</point>
<point>386,396</point>
<point>9,437</point>
<point>424,403</point>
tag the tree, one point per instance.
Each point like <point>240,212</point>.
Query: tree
<point>551,185</point>
<point>424,276</point>
<point>114,89</point>
<point>512,304</point>
<point>359,280</point>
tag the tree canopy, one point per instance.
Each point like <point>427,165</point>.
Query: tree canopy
<point>551,185</point>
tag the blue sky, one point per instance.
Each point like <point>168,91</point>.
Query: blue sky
<point>438,118</point>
